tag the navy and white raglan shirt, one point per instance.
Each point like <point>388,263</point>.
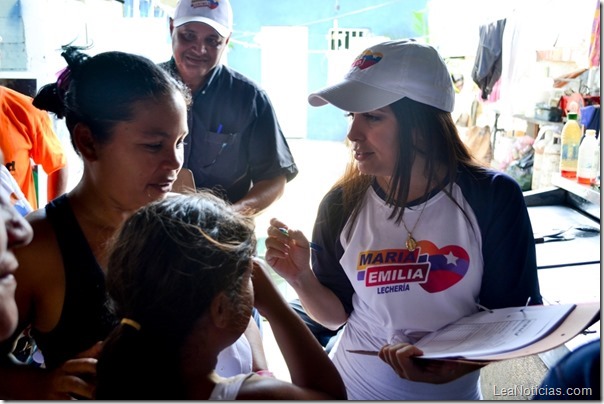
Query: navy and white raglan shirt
<point>234,136</point>
<point>478,248</point>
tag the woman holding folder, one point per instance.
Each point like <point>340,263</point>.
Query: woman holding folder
<point>414,236</point>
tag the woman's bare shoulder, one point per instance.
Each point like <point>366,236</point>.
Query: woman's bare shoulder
<point>40,275</point>
<point>40,261</point>
<point>43,246</point>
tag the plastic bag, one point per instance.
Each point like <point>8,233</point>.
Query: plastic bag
<point>10,186</point>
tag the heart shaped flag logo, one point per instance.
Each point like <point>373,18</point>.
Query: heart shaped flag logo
<point>432,268</point>
<point>448,265</point>
<point>367,59</point>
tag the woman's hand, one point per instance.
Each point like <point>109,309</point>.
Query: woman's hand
<point>76,377</point>
<point>287,251</point>
<point>404,359</point>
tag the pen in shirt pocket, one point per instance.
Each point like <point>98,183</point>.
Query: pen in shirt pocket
<point>219,129</point>
<point>313,246</point>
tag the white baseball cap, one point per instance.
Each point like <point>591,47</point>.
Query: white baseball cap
<point>218,14</point>
<point>387,72</point>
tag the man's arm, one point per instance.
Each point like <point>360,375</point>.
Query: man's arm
<point>57,183</point>
<point>261,195</point>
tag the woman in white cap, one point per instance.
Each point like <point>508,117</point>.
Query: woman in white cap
<point>415,235</point>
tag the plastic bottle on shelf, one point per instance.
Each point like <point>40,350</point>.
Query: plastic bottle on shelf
<point>587,163</point>
<point>539,145</point>
<point>547,156</point>
<point>551,160</point>
<point>569,152</point>
<point>595,182</point>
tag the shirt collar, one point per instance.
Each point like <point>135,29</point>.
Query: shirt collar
<point>213,74</point>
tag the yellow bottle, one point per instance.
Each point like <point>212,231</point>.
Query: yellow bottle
<point>569,152</point>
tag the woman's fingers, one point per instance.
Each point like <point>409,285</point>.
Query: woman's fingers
<point>399,357</point>
<point>405,359</point>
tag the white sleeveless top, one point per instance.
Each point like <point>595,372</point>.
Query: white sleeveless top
<point>235,359</point>
<point>228,389</point>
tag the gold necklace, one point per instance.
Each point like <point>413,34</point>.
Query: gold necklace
<point>411,243</point>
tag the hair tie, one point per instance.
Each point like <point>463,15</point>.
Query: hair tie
<point>63,81</point>
<point>131,323</point>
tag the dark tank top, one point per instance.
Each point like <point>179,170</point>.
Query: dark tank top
<point>85,318</point>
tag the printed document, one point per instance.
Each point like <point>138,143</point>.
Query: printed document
<point>493,332</point>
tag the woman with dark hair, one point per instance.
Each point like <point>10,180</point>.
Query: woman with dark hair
<point>415,235</point>
<point>180,277</point>
<point>127,120</point>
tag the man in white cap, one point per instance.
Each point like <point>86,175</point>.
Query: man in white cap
<point>235,144</point>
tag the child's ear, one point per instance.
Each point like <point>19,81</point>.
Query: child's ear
<point>84,142</point>
<point>220,310</point>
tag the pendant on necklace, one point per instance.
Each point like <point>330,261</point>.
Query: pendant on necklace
<point>410,243</point>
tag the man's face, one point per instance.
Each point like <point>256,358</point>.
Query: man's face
<point>197,49</point>
<point>14,232</point>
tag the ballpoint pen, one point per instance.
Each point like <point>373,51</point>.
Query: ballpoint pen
<point>313,246</point>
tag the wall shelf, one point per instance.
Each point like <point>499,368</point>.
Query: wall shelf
<point>536,121</point>
<point>533,124</point>
<point>586,192</point>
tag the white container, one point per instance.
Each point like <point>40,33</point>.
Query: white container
<point>545,164</point>
<point>589,155</point>
<point>551,161</point>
